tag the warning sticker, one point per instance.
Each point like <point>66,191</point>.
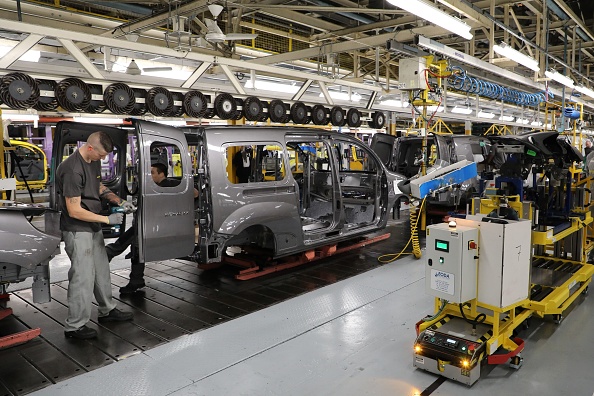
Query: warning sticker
<point>442,282</point>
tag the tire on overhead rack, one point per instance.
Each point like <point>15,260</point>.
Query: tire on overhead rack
<point>178,109</point>
<point>354,118</point>
<point>46,103</point>
<point>319,115</point>
<point>139,107</point>
<point>378,120</point>
<point>252,108</point>
<point>337,116</point>
<point>159,101</point>
<point>96,105</point>
<point>225,106</point>
<point>19,91</point>
<point>277,111</point>
<point>119,98</point>
<point>195,104</point>
<point>239,112</point>
<point>73,95</point>
<point>299,113</point>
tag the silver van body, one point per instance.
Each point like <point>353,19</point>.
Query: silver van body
<point>302,188</point>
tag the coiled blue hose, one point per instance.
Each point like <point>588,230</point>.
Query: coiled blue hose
<point>460,81</point>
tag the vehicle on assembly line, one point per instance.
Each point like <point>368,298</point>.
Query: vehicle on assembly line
<point>29,166</point>
<point>275,190</point>
<point>403,155</point>
<point>25,250</point>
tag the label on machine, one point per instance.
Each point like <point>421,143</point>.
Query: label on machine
<point>443,282</point>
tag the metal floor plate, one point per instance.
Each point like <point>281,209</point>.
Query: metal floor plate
<point>179,299</point>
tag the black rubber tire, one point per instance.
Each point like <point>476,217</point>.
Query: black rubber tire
<point>46,103</point>
<point>252,108</point>
<point>225,106</point>
<point>277,111</point>
<point>119,98</point>
<point>319,115</point>
<point>159,102</point>
<point>139,108</point>
<point>239,112</point>
<point>19,91</point>
<point>195,104</point>
<point>337,116</point>
<point>378,120</point>
<point>73,95</point>
<point>354,118</point>
<point>299,113</point>
<point>177,110</point>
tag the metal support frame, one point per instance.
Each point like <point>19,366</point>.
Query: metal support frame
<point>19,50</point>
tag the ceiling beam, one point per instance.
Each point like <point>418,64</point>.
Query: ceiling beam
<point>348,46</point>
<point>19,50</point>
<point>65,36</point>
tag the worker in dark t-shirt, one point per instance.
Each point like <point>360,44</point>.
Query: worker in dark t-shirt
<point>159,175</point>
<point>78,184</point>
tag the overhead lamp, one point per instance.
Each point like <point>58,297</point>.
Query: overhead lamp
<point>354,97</point>
<point>99,120</point>
<point>435,109</point>
<point>506,50</point>
<point>19,116</point>
<point>434,15</point>
<point>175,123</point>
<point>506,118</point>
<point>29,56</point>
<point>461,110</point>
<point>560,78</point>
<point>271,86</point>
<point>522,121</point>
<point>586,91</point>
<point>485,114</point>
<point>536,123</point>
<point>132,37</point>
<point>394,103</point>
<point>133,69</point>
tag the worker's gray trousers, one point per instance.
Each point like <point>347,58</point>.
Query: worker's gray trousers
<point>88,275</point>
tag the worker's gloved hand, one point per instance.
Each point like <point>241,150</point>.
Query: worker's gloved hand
<point>115,218</point>
<point>128,207</point>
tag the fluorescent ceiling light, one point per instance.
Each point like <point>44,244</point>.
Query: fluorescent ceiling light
<point>506,118</point>
<point>272,86</point>
<point>586,91</point>
<point>20,116</point>
<point>355,97</point>
<point>435,109</point>
<point>393,103</point>
<point>560,78</point>
<point>522,121</point>
<point>171,122</point>
<point>506,50</point>
<point>99,120</point>
<point>486,114</point>
<point>29,56</point>
<point>536,123</point>
<point>434,15</point>
<point>461,110</point>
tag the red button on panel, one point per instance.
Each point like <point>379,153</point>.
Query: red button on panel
<point>472,245</point>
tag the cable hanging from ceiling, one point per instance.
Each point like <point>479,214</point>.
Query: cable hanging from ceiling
<point>461,81</point>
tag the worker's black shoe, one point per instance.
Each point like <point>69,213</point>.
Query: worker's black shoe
<point>115,315</point>
<point>82,333</point>
<point>131,288</point>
